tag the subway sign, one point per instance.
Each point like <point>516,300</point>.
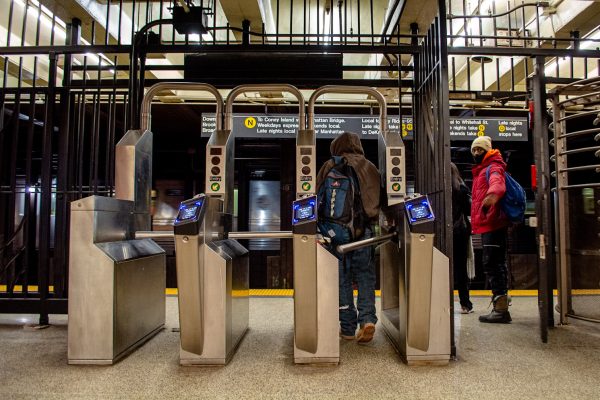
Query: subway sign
<point>331,126</point>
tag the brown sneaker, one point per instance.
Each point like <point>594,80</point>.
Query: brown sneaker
<point>366,332</point>
<point>347,337</point>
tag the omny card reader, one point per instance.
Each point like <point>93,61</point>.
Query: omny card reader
<point>212,280</point>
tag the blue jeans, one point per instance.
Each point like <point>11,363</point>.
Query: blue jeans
<point>357,266</point>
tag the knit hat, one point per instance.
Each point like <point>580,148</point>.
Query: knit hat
<point>485,142</point>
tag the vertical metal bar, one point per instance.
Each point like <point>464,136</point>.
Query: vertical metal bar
<point>214,10</point>
<point>523,27</point>
<point>29,231</point>
<point>468,73</point>
<point>52,29</point>
<point>93,40</point>
<point>358,15</point>
<point>304,23</point>
<point>277,24</point>
<point>453,72</point>
<point>537,23</point>
<point>318,22</point>
<point>107,27</point>
<point>372,28</point>
<point>543,198</point>
<point>9,28</point>
<point>495,25</point>
<point>291,19</point>
<point>509,27</point>
<point>133,25</point>
<point>147,11</point>
<point>464,12</point>
<point>121,11</point>
<point>497,74</point>
<point>346,23</point>
<point>562,212</point>
<point>483,76</point>
<point>512,74</point>
<point>93,151</point>
<point>451,27</point>
<point>585,68</point>
<point>46,186</point>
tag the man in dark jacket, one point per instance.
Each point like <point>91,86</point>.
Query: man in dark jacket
<point>358,265</point>
<point>488,219</point>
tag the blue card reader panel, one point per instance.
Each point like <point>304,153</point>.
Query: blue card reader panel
<point>304,210</point>
<point>418,210</point>
<point>189,211</point>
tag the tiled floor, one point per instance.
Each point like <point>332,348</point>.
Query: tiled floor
<point>494,361</point>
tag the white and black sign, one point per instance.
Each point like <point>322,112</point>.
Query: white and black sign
<point>499,129</point>
<point>326,126</point>
<point>331,126</point>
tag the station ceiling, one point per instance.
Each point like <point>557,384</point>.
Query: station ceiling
<point>553,19</point>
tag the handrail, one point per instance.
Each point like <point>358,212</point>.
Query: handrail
<point>266,87</point>
<point>154,89</point>
<point>348,90</point>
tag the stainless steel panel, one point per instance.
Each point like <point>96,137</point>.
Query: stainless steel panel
<point>305,293</point>
<point>133,173</point>
<point>139,299</point>
<point>130,249</point>
<point>328,342</point>
<point>190,270</point>
<point>95,334</point>
<point>420,260</point>
<point>264,213</point>
<point>438,352</point>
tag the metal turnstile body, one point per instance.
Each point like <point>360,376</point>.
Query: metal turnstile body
<point>415,280</point>
<point>316,326</point>
<point>212,279</point>
<point>116,284</point>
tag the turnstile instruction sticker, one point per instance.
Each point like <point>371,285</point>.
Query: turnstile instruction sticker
<point>367,127</point>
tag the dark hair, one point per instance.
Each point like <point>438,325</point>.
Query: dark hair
<point>456,178</point>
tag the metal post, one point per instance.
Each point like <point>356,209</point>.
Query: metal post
<point>544,234</point>
<point>46,186</point>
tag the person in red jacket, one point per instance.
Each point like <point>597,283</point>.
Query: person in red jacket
<point>488,219</point>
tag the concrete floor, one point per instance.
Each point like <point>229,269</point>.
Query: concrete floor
<point>494,361</point>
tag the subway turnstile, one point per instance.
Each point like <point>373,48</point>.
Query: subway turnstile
<point>212,278</point>
<point>316,337</point>
<point>415,309</point>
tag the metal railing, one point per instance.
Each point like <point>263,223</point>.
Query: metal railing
<point>576,114</point>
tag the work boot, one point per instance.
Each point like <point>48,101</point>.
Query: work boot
<point>499,314</point>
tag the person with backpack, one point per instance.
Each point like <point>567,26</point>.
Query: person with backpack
<point>489,220</point>
<point>348,192</point>
<point>461,232</point>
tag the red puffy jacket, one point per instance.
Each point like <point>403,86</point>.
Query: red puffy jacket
<point>494,218</point>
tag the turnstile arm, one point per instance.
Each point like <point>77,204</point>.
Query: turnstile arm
<point>230,235</point>
<point>345,248</point>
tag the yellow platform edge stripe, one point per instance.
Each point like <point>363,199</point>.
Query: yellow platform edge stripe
<point>290,292</point>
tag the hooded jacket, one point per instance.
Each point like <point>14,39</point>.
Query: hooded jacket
<point>348,146</point>
<point>494,219</point>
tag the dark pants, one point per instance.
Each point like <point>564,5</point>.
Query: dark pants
<point>357,266</point>
<point>461,280</point>
<point>494,260</point>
